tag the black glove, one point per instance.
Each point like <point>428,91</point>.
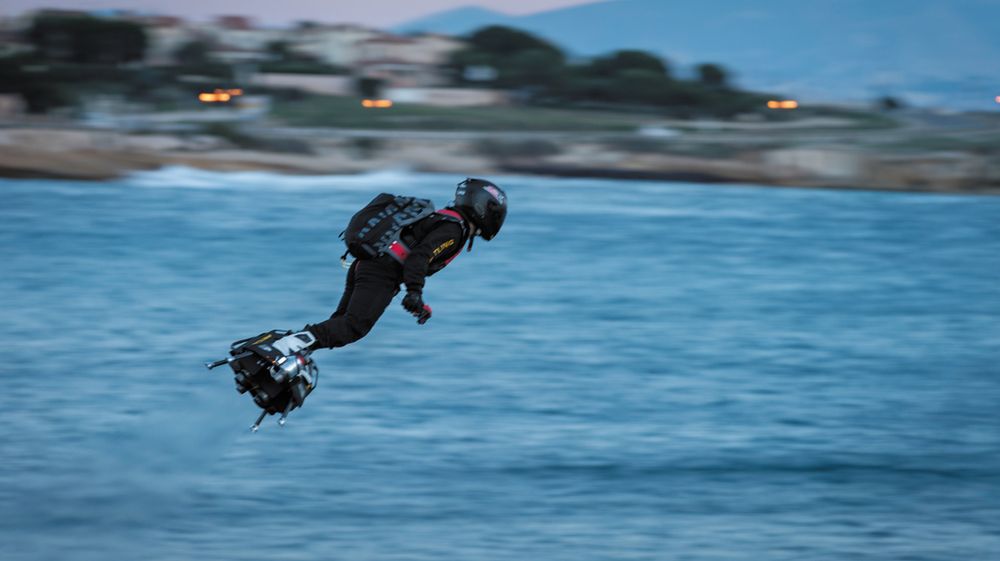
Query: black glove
<point>413,302</point>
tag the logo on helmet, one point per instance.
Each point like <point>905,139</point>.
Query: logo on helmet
<point>495,192</point>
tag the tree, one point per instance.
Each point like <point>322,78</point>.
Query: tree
<point>501,41</point>
<point>579,86</point>
<point>712,75</point>
<point>535,68</point>
<point>620,77</point>
<point>41,97</point>
<point>639,85</point>
<point>538,72</point>
<point>621,61</point>
<point>465,63</point>
<point>369,87</point>
<point>519,59</point>
<point>890,103</point>
<point>284,58</point>
<point>193,52</point>
<point>279,50</point>
<point>87,40</point>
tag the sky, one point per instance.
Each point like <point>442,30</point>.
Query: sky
<point>377,13</point>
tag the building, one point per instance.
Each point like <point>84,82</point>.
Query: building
<point>166,35</point>
<point>237,39</point>
<point>332,44</point>
<point>429,49</point>
<point>433,48</point>
<point>415,61</point>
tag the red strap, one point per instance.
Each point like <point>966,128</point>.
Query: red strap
<point>453,214</point>
<point>399,252</point>
<point>449,212</point>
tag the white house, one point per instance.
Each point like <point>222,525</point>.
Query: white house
<point>406,61</point>
<point>332,44</point>
<point>237,37</point>
<point>166,34</point>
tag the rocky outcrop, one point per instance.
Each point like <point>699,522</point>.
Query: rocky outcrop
<point>95,155</point>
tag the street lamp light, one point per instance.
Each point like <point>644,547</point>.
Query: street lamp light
<point>783,104</point>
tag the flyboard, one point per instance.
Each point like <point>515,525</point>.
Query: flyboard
<point>278,383</point>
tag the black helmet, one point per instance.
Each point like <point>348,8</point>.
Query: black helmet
<point>482,203</point>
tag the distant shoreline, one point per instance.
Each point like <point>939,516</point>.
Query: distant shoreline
<point>88,154</point>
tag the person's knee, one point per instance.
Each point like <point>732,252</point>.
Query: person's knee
<point>358,326</point>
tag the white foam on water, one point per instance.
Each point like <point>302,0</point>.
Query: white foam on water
<point>182,177</point>
<point>558,196</point>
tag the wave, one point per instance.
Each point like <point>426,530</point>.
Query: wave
<point>183,177</point>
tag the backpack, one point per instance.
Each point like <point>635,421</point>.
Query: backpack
<point>374,228</point>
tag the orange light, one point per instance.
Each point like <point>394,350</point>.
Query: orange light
<point>218,96</point>
<point>235,91</point>
<point>783,104</point>
<point>997,99</point>
<point>376,103</point>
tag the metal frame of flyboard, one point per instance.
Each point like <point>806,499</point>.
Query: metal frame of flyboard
<point>278,383</point>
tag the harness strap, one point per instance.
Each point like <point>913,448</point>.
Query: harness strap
<point>451,213</point>
<point>400,251</point>
<point>457,216</point>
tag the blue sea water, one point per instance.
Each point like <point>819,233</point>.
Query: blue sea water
<point>630,371</point>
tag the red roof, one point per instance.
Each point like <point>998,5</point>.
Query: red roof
<point>164,21</point>
<point>241,23</point>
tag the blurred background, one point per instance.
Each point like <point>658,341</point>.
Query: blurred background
<point>837,93</point>
<point>662,356</point>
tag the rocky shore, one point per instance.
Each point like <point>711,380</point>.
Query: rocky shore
<point>819,160</point>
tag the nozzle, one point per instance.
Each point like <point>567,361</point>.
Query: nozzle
<point>284,414</point>
<point>256,426</point>
<point>216,364</point>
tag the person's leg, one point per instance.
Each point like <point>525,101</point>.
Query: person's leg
<point>375,284</point>
<point>348,291</point>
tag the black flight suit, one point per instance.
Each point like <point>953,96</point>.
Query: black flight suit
<point>371,284</point>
